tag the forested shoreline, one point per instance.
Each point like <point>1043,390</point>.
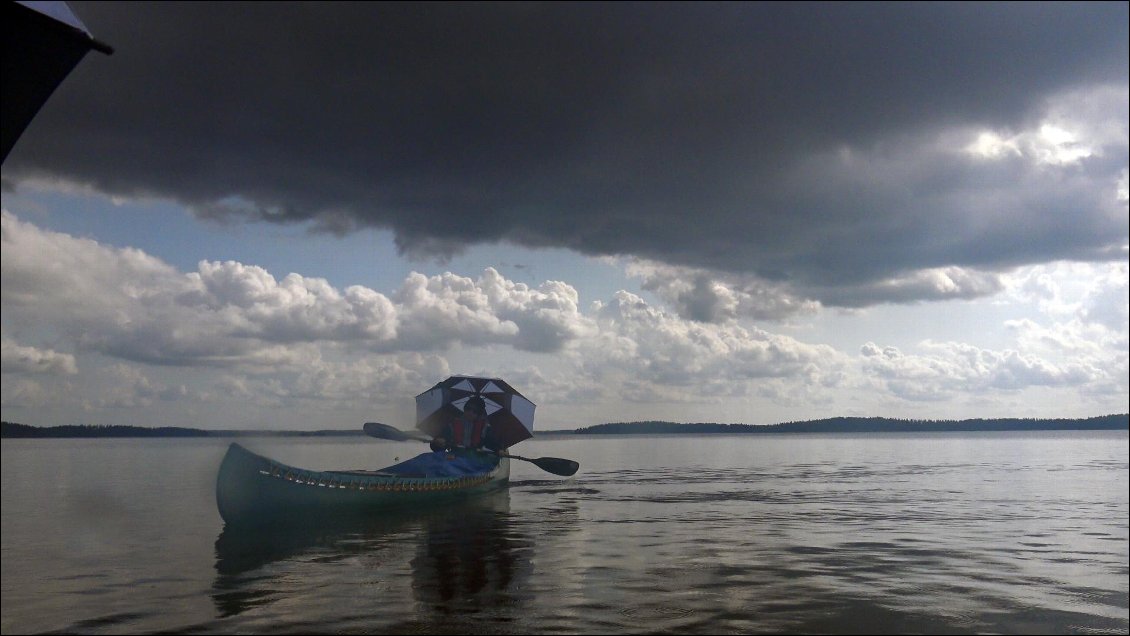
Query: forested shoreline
<point>831,425</point>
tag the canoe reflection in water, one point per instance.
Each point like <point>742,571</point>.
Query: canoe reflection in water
<point>460,558</point>
<point>467,563</point>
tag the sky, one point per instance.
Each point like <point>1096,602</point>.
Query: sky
<point>301,215</point>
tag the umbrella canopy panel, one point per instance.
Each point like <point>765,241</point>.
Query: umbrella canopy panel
<point>510,414</point>
<point>43,42</point>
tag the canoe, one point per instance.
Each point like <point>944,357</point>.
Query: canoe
<point>251,488</point>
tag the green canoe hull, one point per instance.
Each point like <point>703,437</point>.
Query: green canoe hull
<point>251,489</point>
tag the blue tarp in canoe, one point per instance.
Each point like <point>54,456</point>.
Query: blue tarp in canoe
<point>441,464</point>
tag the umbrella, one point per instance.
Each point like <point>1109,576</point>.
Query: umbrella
<point>43,42</point>
<point>510,414</point>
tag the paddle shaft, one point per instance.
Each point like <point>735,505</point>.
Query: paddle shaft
<point>555,465</point>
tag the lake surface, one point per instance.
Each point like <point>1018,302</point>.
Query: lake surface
<point>919,533</point>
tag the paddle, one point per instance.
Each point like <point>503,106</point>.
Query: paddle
<point>555,465</point>
<point>384,431</point>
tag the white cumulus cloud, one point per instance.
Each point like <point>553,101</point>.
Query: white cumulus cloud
<point>16,358</point>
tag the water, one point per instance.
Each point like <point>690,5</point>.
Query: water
<point>955,533</point>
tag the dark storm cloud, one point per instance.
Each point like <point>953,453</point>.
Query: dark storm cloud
<point>794,142</point>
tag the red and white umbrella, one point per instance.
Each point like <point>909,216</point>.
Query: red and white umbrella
<point>510,414</point>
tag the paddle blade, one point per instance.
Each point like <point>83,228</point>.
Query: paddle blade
<point>384,431</point>
<point>556,465</point>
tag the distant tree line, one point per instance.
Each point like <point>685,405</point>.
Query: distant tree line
<point>830,425</point>
<point>864,425</point>
<point>13,430</point>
